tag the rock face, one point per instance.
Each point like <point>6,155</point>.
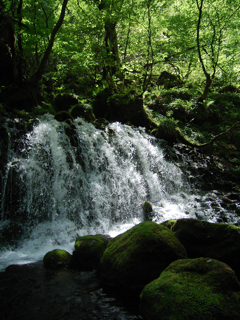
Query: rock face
<point>198,289</point>
<point>57,259</point>
<point>139,255</point>
<point>205,239</point>
<point>88,251</point>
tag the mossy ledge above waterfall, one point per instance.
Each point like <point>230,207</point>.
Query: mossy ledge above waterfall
<point>171,114</point>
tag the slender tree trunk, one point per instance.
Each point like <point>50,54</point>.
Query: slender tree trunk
<point>150,56</point>
<point>111,44</point>
<point>207,75</point>
<point>38,75</point>
<point>19,70</point>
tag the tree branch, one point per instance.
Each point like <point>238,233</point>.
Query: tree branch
<point>38,75</point>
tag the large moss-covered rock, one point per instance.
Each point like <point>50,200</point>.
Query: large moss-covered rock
<point>188,289</point>
<point>139,255</point>
<point>84,111</point>
<point>57,259</point>
<point>89,250</point>
<point>205,239</point>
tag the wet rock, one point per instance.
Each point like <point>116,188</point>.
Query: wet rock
<point>84,111</point>
<point>88,251</point>
<point>11,232</point>
<point>63,116</point>
<point>205,239</point>
<point>57,259</point>
<point>147,211</point>
<point>138,256</point>
<point>101,123</point>
<point>197,289</point>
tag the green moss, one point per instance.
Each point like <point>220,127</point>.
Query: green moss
<point>193,289</point>
<point>84,111</point>
<point>139,255</point>
<point>204,239</point>
<point>167,130</point>
<point>63,116</point>
<point>89,250</point>
<point>57,259</point>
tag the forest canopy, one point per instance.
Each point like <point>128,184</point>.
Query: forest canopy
<point>110,42</point>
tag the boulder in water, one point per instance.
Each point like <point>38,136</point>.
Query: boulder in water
<point>198,289</point>
<point>138,256</point>
<point>57,259</point>
<point>89,250</point>
<point>147,211</point>
<point>205,239</point>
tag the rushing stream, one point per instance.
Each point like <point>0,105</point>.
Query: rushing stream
<point>68,179</point>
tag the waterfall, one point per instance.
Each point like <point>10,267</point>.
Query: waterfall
<point>64,179</point>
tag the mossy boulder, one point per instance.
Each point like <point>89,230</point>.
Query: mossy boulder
<point>65,101</point>
<point>62,116</point>
<point>101,123</point>
<point>127,108</point>
<point>84,111</point>
<point>188,289</point>
<point>57,259</point>
<point>138,256</point>
<point>100,106</point>
<point>89,250</point>
<point>167,130</point>
<point>205,239</point>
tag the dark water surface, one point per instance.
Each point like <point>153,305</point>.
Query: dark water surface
<point>30,292</point>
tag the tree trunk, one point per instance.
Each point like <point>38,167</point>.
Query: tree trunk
<point>38,75</point>
<point>7,50</point>
<point>207,75</point>
<point>19,61</point>
<point>111,43</point>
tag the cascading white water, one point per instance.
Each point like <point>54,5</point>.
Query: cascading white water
<point>73,179</point>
